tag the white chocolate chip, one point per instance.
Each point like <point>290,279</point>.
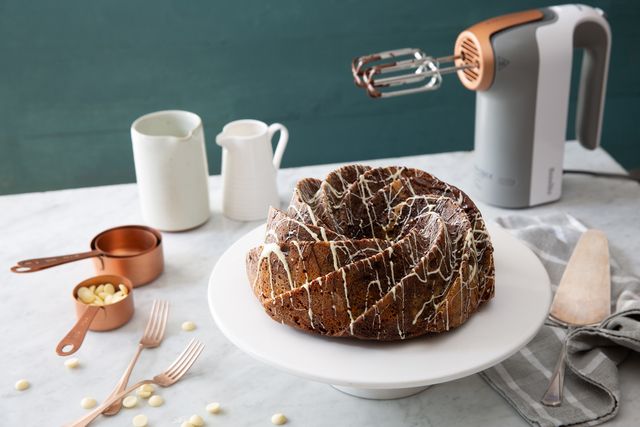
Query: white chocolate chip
<point>188,326</point>
<point>145,391</point>
<point>213,408</point>
<point>109,289</point>
<point>22,385</point>
<point>140,420</point>
<point>156,401</point>
<point>196,420</point>
<point>117,297</point>
<point>99,289</point>
<point>88,402</point>
<point>123,289</point>
<point>130,402</point>
<point>278,419</point>
<point>85,295</point>
<point>186,424</point>
<point>72,363</point>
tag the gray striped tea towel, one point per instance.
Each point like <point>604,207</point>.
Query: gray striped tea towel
<point>591,389</point>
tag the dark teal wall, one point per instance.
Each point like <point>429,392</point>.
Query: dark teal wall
<point>75,74</point>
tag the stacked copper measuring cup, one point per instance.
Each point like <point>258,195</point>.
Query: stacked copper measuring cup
<point>130,255</point>
<point>132,251</point>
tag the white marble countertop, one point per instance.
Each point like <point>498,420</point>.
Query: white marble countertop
<point>36,310</point>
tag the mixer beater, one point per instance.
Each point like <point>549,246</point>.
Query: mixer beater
<point>369,70</point>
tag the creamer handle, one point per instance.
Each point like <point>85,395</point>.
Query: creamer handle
<point>282,142</point>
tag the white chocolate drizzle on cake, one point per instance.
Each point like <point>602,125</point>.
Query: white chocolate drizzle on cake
<point>374,253</point>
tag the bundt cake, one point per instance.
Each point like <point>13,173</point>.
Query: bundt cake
<point>374,253</point>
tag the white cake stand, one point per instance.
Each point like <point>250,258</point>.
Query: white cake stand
<point>378,370</point>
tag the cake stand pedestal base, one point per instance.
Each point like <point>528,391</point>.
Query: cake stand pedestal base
<point>380,394</point>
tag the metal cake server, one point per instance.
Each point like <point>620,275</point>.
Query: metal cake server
<point>583,297</point>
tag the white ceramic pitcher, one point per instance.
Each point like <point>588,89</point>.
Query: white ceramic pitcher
<point>249,168</point>
<point>171,169</point>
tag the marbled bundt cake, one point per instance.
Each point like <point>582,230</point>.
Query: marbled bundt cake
<point>374,253</point>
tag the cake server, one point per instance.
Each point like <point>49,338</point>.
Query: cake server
<point>583,297</point>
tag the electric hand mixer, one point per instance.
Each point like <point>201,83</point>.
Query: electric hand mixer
<point>520,67</point>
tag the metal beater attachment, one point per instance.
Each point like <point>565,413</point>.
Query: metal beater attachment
<point>368,72</point>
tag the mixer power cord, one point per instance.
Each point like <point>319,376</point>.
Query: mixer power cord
<point>634,176</point>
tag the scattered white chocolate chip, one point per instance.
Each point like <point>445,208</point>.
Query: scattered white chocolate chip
<point>186,424</point>
<point>196,420</point>
<point>278,419</point>
<point>156,401</point>
<point>147,387</point>
<point>188,326</point>
<point>139,420</point>
<point>22,385</point>
<point>213,408</point>
<point>72,363</point>
<point>130,402</point>
<point>145,391</point>
<point>88,402</point>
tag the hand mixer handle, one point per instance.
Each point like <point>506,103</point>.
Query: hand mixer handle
<point>594,36</point>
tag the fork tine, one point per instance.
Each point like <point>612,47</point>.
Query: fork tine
<point>163,321</point>
<point>192,348</point>
<point>194,357</point>
<point>184,368</point>
<point>156,318</point>
<point>182,355</point>
<point>150,321</point>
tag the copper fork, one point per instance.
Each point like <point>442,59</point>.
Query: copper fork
<point>169,377</point>
<point>152,337</point>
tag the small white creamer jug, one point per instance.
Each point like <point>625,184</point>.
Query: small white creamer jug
<point>249,168</point>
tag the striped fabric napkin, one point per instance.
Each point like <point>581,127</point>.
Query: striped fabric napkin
<point>591,389</point>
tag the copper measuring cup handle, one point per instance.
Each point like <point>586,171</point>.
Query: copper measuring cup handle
<point>37,264</point>
<point>76,335</point>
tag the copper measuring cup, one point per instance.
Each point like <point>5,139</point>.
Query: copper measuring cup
<point>133,251</point>
<point>94,317</point>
